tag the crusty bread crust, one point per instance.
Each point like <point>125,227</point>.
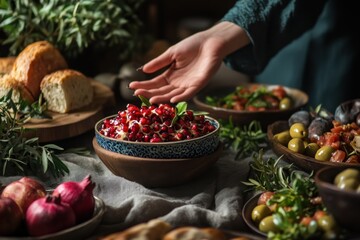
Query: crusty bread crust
<point>152,230</point>
<point>66,90</point>
<point>7,82</point>
<point>34,62</point>
<point>194,233</point>
<point>6,64</point>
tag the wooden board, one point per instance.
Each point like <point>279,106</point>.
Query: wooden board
<point>67,125</point>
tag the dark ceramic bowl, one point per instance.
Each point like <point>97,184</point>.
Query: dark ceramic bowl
<point>344,205</point>
<point>155,172</point>
<point>246,214</point>
<point>300,160</point>
<point>192,148</point>
<point>245,117</point>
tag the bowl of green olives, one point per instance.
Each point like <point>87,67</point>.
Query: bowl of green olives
<point>339,188</point>
<point>293,143</point>
<point>250,101</point>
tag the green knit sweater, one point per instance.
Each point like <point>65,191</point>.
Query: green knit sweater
<point>304,44</point>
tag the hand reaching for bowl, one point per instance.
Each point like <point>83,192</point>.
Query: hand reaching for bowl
<point>190,64</point>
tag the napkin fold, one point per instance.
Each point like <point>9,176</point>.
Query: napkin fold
<point>213,199</point>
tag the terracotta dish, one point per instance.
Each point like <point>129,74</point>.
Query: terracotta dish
<point>245,117</point>
<point>342,204</point>
<point>155,172</point>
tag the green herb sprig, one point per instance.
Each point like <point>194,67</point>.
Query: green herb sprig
<point>18,154</point>
<point>244,140</point>
<point>270,174</point>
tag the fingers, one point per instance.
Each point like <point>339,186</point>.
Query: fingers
<point>156,82</point>
<point>158,63</point>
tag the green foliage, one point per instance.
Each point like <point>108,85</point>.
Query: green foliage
<point>18,154</point>
<point>71,26</point>
<point>244,140</point>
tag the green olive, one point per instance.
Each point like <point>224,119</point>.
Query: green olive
<point>285,103</point>
<point>296,145</point>
<point>326,223</point>
<point>310,149</point>
<point>345,174</point>
<point>348,184</point>
<point>324,153</point>
<point>268,225</point>
<point>298,130</point>
<point>259,212</point>
<point>283,137</point>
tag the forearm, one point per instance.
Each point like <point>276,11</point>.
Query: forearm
<point>231,37</point>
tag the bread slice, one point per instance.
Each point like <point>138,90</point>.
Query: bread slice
<point>7,82</point>
<point>34,62</point>
<point>6,64</point>
<point>66,90</point>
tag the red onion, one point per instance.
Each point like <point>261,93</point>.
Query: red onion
<point>24,191</point>
<point>79,195</point>
<point>49,215</point>
<point>10,216</point>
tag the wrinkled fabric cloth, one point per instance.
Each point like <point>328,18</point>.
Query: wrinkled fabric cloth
<point>212,199</point>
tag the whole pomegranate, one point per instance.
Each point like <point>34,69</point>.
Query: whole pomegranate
<point>79,195</point>
<point>48,215</point>
<point>10,216</point>
<point>24,191</point>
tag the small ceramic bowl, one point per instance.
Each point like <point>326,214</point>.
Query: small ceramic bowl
<point>239,117</point>
<point>344,205</point>
<point>155,172</point>
<point>191,148</point>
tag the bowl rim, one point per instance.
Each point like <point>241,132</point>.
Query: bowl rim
<point>98,124</point>
<point>198,102</point>
<point>321,183</point>
<point>128,158</point>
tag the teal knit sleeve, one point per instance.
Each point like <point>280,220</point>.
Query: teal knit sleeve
<point>270,25</point>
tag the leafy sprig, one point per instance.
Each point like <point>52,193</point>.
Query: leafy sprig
<point>270,174</point>
<point>18,154</point>
<point>244,140</point>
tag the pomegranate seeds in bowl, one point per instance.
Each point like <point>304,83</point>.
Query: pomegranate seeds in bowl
<point>158,131</point>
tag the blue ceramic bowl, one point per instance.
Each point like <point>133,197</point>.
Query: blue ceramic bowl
<point>192,148</point>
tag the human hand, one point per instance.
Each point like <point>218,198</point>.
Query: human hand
<point>190,64</point>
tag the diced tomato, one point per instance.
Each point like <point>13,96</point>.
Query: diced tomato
<point>338,156</point>
<point>353,159</point>
<point>279,92</point>
<point>306,220</point>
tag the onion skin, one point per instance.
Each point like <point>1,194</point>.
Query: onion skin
<point>24,191</point>
<point>79,195</point>
<point>10,216</point>
<point>49,215</point>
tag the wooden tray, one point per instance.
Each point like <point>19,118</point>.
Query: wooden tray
<point>66,125</point>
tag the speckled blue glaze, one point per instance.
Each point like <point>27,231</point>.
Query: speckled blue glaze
<point>180,149</point>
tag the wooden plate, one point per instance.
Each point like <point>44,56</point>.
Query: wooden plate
<point>66,125</point>
<point>302,161</point>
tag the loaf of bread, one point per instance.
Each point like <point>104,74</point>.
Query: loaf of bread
<point>6,64</point>
<point>7,83</point>
<point>66,90</point>
<point>194,233</point>
<point>152,230</point>
<point>34,62</point>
